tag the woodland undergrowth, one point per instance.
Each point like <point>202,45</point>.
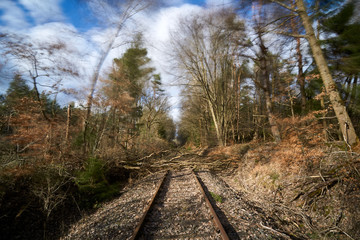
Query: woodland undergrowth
<point>309,185</point>
<point>41,196</point>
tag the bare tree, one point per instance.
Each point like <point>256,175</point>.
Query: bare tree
<point>265,76</point>
<point>44,63</point>
<point>50,185</point>
<point>204,48</point>
<point>155,104</point>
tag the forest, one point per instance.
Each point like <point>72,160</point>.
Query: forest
<point>276,78</point>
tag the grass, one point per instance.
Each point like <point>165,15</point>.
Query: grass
<point>216,197</point>
<point>274,176</point>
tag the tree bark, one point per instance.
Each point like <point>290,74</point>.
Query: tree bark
<point>347,91</point>
<point>38,98</point>
<point>268,102</point>
<point>216,123</point>
<point>301,77</point>
<point>346,126</point>
<point>322,102</point>
<point>354,89</point>
<point>68,123</point>
<point>273,125</point>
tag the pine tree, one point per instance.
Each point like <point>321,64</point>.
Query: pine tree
<point>17,90</point>
<point>344,47</point>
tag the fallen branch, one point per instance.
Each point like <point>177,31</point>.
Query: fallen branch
<point>152,154</point>
<point>274,231</point>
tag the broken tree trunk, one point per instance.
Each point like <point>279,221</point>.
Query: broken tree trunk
<point>346,126</point>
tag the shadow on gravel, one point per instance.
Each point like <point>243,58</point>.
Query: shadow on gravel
<point>223,219</point>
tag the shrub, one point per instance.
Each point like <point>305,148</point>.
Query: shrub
<point>93,185</point>
<point>50,184</point>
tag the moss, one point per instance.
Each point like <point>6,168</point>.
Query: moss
<point>313,236</point>
<point>274,176</point>
<point>315,193</point>
<point>327,210</point>
<point>216,197</point>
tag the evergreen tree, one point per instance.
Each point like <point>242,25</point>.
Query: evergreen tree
<point>344,47</point>
<point>17,90</point>
<point>133,66</point>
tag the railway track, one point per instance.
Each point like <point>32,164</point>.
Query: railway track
<point>174,206</point>
<point>179,209</point>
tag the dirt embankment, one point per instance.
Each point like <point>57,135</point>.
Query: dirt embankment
<point>309,187</point>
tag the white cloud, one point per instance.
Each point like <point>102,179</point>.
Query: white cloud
<point>51,32</point>
<point>100,37</point>
<point>98,40</point>
<point>85,48</point>
<point>157,27</point>
<point>80,55</point>
<point>77,48</point>
<point>43,11</point>
<point>12,15</point>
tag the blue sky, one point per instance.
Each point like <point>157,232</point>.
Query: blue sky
<point>75,12</point>
<point>70,22</point>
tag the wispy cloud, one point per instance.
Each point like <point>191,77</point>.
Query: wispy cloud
<point>13,17</point>
<point>43,11</point>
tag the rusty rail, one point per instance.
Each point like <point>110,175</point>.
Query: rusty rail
<point>215,218</point>
<point>141,222</point>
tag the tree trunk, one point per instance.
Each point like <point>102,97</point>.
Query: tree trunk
<point>354,89</point>
<point>101,131</point>
<point>257,112</point>
<point>38,98</point>
<point>346,126</point>
<point>322,102</point>
<point>347,91</point>
<point>268,102</point>
<point>300,76</point>
<point>273,125</point>
<point>291,97</point>
<point>216,123</point>
<point>67,124</point>
<point>238,102</point>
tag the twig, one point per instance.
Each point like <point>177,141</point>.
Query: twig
<point>152,154</point>
<point>297,212</point>
<point>337,230</point>
<point>176,157</point>
<point>344,233</point>
<point>274,231</point>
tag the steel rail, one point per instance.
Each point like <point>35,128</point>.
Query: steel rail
<point>141,222</point>
<point>215,218</point>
